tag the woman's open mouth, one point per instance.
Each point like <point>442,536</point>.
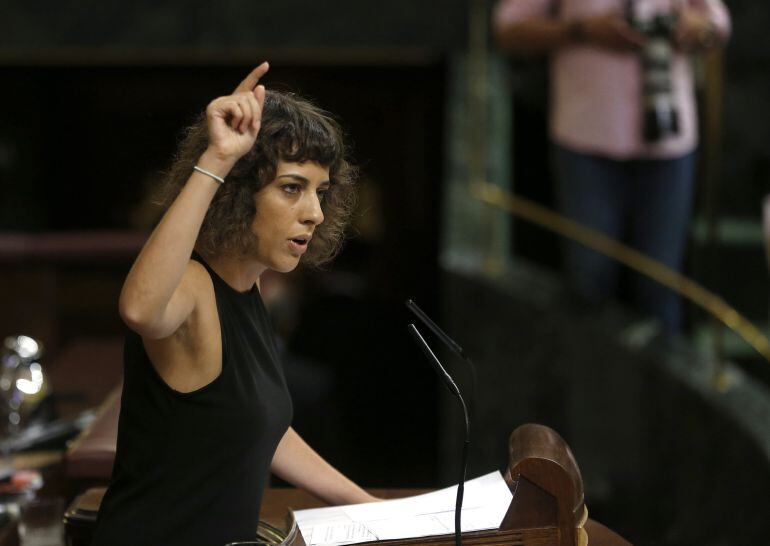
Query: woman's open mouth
<point>298,245</point>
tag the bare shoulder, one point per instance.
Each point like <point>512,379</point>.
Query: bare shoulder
<point>200,283</point>
<point>196,292</point>
<point>191,356</point>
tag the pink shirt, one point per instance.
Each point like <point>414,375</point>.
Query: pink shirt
<point>596,94</point>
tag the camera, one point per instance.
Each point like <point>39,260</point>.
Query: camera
<point>660,113</point>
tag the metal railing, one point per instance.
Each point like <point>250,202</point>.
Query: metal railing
<point>641,263</point>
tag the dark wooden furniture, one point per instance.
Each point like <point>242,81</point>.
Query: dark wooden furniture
<point>62,287</point>
<point>546,485</point>
<point>92,454</point>
<point>81,515</point>
<point>274,512</point>
<point>547,508</point>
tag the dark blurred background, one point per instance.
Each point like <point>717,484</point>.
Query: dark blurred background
<point>97,94</point>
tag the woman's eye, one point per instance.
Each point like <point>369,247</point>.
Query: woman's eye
<point>291,188</point>
<point>322,194</point>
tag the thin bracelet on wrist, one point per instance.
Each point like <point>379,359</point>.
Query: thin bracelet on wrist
<point>209,174</point>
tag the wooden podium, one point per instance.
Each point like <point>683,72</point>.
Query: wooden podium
<point>547,508</point>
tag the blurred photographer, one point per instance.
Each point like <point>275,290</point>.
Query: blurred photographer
<point>623,124</point>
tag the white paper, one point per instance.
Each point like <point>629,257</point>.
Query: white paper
<point>486,500</point>
<point>338,533</point>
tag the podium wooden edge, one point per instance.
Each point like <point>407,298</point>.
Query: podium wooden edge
<point>546,484</point>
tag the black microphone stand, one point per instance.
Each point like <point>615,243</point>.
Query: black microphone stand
<point>452,387</point>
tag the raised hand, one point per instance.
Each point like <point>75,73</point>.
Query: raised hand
<point>234,120</point>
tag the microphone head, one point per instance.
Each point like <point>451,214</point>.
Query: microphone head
<point>440,370</point>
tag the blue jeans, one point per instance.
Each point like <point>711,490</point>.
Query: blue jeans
<point>645,202</point>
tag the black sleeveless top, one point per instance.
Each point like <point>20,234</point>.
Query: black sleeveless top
<point>190,468</point>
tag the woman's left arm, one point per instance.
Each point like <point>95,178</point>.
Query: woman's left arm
<point>297,463</point>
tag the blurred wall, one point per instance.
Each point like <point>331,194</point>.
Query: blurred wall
<point>235,23</point>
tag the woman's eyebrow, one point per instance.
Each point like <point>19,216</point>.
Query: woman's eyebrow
<point>297,177</point>
<point>300,178</point>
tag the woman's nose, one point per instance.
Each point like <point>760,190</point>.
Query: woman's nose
<point>312,212</point>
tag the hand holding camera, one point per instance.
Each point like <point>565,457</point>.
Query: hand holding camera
<point>694,31</point>
<point>611,31</point>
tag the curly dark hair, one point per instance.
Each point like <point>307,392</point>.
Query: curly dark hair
<point>292,130</point>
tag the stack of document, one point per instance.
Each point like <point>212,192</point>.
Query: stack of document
<point>485,503</point>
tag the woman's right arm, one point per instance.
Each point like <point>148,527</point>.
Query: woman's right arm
<point>159,293</point>
<point>527,27</point>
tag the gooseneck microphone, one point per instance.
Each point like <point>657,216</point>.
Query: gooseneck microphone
<point>449,342</point>
<point>452,387</point>
<point>440,370</point>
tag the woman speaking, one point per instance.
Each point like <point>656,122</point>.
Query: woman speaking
<point>262,182</point>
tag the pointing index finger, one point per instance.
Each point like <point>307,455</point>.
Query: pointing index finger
<point>250,82</point>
